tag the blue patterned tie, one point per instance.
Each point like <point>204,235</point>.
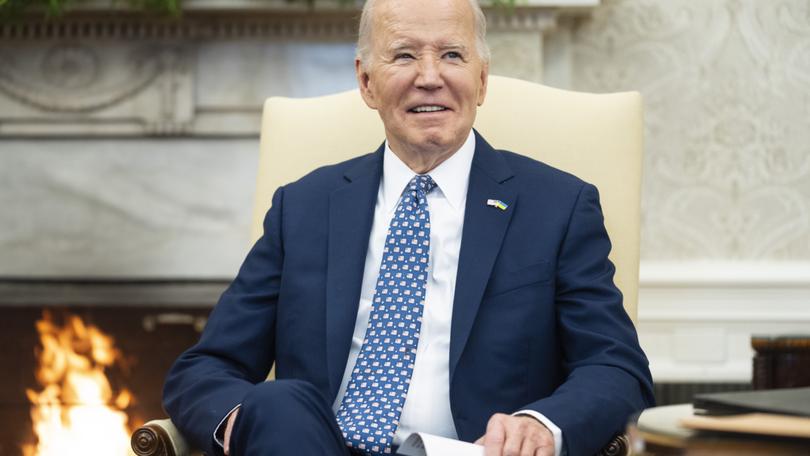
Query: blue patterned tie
<point>370,410</point>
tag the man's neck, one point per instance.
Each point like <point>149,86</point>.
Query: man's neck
<point>423,161</point>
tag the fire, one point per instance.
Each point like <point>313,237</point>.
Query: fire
<point>76,413</point>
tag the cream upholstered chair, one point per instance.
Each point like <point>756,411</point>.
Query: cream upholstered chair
<point>596,137</point>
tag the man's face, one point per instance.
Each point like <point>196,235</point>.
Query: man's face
<point>425,77</point>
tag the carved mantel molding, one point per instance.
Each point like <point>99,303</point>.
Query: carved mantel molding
<point>93,73</point>
<point>194,25</point>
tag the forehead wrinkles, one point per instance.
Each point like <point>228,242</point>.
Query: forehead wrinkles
<point>440,44</point>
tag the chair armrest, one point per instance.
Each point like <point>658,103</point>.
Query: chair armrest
<point>160,438</point>
<point>618,446</point>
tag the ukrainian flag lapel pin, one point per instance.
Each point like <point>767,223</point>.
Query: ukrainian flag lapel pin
<point>497,203</point>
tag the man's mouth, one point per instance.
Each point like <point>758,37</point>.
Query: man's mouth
<point>427,108</point>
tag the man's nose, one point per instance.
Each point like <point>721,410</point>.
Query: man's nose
<point>430,76</point>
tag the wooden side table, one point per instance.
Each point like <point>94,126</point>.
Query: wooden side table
<point>781,361</point>
<point>658,433</point>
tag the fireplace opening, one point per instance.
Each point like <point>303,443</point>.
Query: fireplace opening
<point>76,350</point>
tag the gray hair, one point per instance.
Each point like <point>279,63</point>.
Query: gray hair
<point>364,34</point>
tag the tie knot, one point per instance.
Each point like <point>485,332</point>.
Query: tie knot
<point>422,183</point>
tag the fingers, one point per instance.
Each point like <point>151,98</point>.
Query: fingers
<point>495,437</point>
<point>545,451</point>
<point>516,436</point>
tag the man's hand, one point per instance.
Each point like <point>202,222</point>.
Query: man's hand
<point>226,438</point>
<point>516,436</point>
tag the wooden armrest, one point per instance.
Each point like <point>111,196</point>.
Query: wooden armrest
<point>160,438</point>
<point>618,446</point>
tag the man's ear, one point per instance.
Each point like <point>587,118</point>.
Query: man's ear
<point>364,82</point>
<point>482,92</point>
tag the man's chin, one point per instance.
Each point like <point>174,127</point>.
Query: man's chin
<point>430,141</point>
<point>433,147</point>
<point>437,142</point>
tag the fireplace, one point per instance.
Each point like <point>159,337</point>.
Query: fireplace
<point>151,322</point>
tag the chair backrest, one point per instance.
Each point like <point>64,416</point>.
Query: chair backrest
<point>597,137</point>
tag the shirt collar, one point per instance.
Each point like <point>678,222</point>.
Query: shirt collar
<point>452,176</point>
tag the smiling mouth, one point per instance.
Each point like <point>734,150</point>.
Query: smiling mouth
<point>427,109</point>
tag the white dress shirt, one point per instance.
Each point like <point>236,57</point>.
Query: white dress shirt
<point>427,405</point>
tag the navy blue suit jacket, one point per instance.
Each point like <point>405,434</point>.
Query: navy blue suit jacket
<point>537,321</point>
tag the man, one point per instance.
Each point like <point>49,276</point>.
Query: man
<point>485,309</point>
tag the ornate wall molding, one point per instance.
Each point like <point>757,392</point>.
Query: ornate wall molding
<point>72,86</point>
<point>95,74</point>
<point>339,24</point>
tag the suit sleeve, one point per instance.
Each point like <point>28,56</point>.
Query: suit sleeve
<point>608,377</point>
<point>236,349</point>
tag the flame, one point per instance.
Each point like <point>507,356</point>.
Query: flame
<point>73,415</point>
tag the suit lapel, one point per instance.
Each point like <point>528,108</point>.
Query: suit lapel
<point>351,213</point>
<point>482,235</point>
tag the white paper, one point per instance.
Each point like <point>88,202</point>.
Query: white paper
<point>423,444</point>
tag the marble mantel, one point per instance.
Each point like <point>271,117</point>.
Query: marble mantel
<point>97,73</point>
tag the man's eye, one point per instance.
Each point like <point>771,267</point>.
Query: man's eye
<point>453,55</point>
<point>403,56</point>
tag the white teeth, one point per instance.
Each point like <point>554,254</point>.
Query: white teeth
<point>429,108</point>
